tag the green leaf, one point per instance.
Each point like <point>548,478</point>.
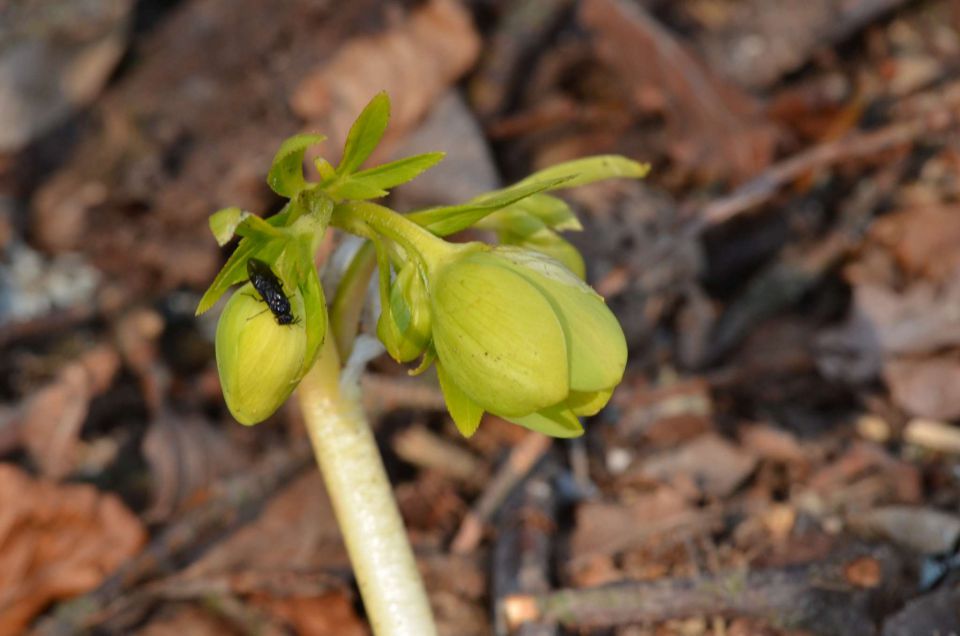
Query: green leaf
<point>254,226</point>
<point>465,412</point>
<point>548,210</point>
<point>583,171</point>
<point>400,171</point>
<point>350,188</point>
<point>233,271</point>
<point>449,219</point>
<point>365,133</point>
<point>286,173</point>
<point>224,223</point>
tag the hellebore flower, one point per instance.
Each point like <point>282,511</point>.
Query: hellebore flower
<point>520,336</point>
<point>258,359</point>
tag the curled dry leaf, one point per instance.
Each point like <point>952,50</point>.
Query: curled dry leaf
<point>54,415</point>
<point>185,454</point>
<point>56,541</point>
<point>415,63</point>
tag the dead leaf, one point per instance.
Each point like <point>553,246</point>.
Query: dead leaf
<point>56,541</point>
<point>415,63</point>
<point>190,620</point>
<point>606,528</point>
<point>884,323</point>
<point>922,529</point>
<point>296,532</point>
<point>716,127</point>
<point>925,387</point>
<point>54,415</point>
<point>328,615</point>
<point>713,464</point>
<point>185,454</point>
<point>924,239</point>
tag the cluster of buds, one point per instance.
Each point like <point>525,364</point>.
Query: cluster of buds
<point>513,329</point>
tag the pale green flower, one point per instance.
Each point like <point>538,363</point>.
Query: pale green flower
<point>518,335</point>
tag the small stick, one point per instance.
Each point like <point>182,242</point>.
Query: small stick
<point>522,458</point>
<point>832,598</point>
<point>521,555</point>
<point>761,188</point>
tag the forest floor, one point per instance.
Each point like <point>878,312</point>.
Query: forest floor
<point>783,456</point>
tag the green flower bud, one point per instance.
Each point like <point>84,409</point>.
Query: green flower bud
<point>258,359</point>
<point>404,324</point>
<point>522,337</point>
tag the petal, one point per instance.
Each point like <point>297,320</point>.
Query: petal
<point>465,412</point>
<point>555,422</point>
<point>498,337</point>
<point>588,403</point>
<point>595,340</point>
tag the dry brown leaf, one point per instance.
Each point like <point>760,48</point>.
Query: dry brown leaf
<point>884,323</point>
<point>604,528</point>
<point>923,239</point>
<point>922,529</point>
<point>295,533</point>
<point>54,415</point>
<point>925,387</point>
<point>328,615</point>
<point>187,620</point>
<point>715,466</point>
<point>714,126</point>
<point>56,541</point>
<point>185,454</point>
<point>415,63</point>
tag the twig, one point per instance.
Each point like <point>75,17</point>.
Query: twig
<point>422,448</point>
<point>521,555</point>
<point>831,598</point>
<point>522,458</point>
<point>761,188</point>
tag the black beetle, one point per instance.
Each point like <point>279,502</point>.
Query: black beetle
<point>270,288</point>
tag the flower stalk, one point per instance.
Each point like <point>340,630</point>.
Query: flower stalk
<point>373,531</point>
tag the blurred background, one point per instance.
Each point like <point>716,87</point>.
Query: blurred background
<point>782,457</point>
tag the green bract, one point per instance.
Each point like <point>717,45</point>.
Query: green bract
<point>404,324</point>
<point>520,336</point>
<point>259,360</point>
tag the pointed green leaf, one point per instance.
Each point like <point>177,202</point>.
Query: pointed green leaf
<point>223,223</point>
<point>449,219</point>
<point>365,133</point>
<point>350,188</point>
<point>583,171</point>
<point>465,412</point>
<point>254,226</point>
<point>233,271</point>
<point>400,171</point>
<point>557,421</point>
<point>549,210</point>
<point>286,173</point>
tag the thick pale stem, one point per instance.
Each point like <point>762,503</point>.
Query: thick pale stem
<point>376,540</point>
